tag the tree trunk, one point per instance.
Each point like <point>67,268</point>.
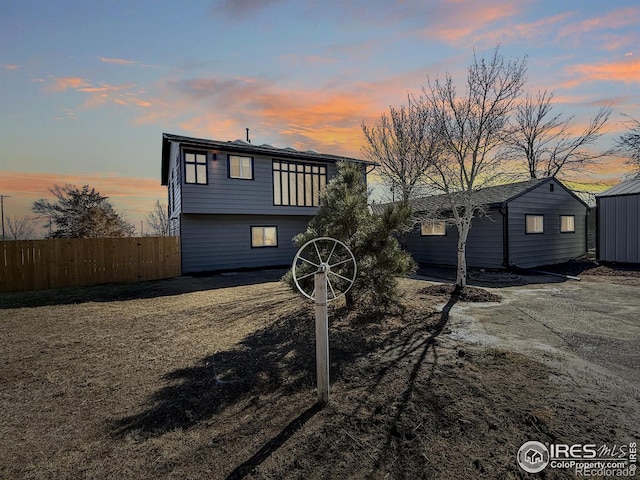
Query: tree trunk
<point>464,226</point>
<point>461,271</point>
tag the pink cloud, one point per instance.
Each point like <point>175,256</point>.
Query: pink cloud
<point>126,94</point>
<point>615,19</point>
<point>64,83</point>
<point>458,20</point>
<point>626,71</point>
<point>10,66</point>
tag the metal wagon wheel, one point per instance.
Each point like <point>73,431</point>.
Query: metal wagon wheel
<point>329,255</point>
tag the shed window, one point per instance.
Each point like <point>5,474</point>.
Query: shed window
<point>432,228</point>
<point>240,167</point>
<point>264,237</point>
<point>195,167</point>
<point>534,223</point>
<point>567,223</point>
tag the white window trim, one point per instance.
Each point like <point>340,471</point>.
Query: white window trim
<point>264,236</point>
<point>243,175</point>
<point>538,227</point>
<point>572,224</point>
<point>433,228</point>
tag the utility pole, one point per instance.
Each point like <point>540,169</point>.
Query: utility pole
<point>2,197</point>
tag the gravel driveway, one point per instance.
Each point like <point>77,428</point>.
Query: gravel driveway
<point>588,329</point>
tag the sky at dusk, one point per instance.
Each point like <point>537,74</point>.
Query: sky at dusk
<point>88,87</point>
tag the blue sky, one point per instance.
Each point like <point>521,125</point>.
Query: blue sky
<point>88,87</point>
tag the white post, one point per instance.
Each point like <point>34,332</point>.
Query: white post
<point>322,336</point>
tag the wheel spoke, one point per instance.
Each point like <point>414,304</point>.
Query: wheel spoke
<point>315,244</point>
<point>331,287</point>
<point>350,280</point>
<point>306,276</point>
<point>340,263</point>
<point>309,261</point>
<point>335,244</point>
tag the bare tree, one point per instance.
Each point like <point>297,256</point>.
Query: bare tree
<point>471,127</point>
<point>403,143</point>
<point>158,220</point>
<point>20,228</point>
<point>81,213</point>
<point>629,144</point>
<point>545,141</point>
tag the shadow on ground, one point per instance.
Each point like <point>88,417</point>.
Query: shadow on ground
<point>278,362</point>
<point>139,290</point>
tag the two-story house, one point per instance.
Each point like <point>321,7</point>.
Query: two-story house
<point>237,205</point>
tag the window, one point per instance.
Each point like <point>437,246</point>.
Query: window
<point>195,167</point>
<point>432,228</point>
<point>264,237</point>
<point>240,167</point>
<point>567,223</point>
<point>534,223</point>
<point>298,184</point>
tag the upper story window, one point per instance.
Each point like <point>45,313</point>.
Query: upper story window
<point>534,223</point>
<point>567,223</point>
<point>240,167</point>
<point>433,228</point>
<point>298,184</point>
<point>195,167</point>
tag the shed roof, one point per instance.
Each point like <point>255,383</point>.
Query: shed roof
<point>490,196</point>
<point>628,187</point>
<point>240,146</point>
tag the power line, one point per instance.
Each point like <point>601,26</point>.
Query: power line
<point>2,197</point>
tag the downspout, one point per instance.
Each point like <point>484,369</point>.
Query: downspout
<point>504,211</point>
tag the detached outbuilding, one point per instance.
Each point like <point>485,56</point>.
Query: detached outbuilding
<point>618,225</point>
<point>525,224</point>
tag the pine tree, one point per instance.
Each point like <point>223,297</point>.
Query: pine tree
<point>345,216</point>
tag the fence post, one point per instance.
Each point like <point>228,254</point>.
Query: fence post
<point>322,336</point>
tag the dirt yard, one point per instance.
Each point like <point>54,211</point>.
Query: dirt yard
<point>214,378</point>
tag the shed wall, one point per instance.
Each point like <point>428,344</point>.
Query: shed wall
<point>619,228</point>
<point>552,246</point>
<point>484,244</point>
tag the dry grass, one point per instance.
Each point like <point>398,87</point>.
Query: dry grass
<point>198,378</point>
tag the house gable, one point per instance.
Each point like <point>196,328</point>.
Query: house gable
<point>549,201</point>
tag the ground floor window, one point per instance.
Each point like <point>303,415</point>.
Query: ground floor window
<point>567,223</point>
<point>534,223</point>
<point>264,237</point>
<point>432,228</point>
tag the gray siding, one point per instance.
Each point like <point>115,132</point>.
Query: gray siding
<point>532,250</point>
<point>484,244</point>
<point>223,242</point>
<point>619,228</point>
<point>174,190</point>
<point>225,195</point>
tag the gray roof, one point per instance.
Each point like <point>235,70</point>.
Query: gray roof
<point>489,197</point>
<point>240,146</point>
<point>629,187</point>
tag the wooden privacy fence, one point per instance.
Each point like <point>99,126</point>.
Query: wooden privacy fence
<point>40,264</point>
